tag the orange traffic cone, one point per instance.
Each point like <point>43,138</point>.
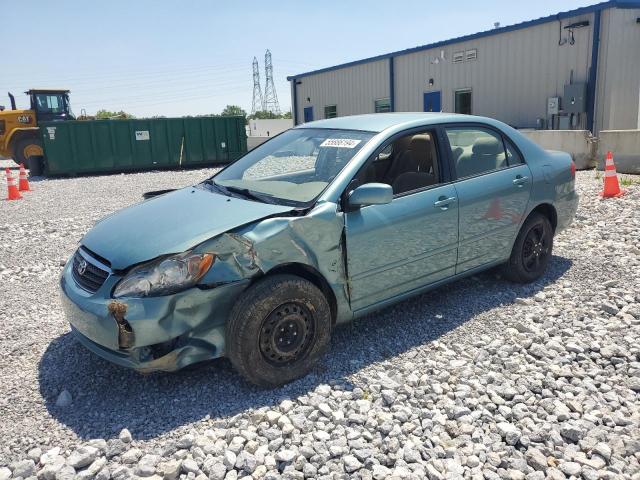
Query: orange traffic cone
<point>611,185</point>
<point>12,188</point>
<point>23,183</point>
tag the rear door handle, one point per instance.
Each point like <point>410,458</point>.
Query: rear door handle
<point>444,202</point>
<point>520,181</point>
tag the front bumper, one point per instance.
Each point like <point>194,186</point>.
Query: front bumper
<point>168,332</point>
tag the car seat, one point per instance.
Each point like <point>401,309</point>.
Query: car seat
<point>486,154</point>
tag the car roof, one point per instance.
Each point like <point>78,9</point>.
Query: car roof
<point>378,122</point>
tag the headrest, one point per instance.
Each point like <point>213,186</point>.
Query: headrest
<point>401,144</point>
<point>487,146</point>
<point>420,142</point>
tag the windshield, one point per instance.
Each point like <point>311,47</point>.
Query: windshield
<point>295,166</point>
<point>50,102</point>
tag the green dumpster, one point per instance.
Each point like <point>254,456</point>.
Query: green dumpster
<point>106,146</point>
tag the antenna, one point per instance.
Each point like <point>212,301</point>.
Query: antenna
<point>270,96</point>
<point>257,91</point>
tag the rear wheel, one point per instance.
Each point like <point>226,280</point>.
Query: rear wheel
<point>277,330</point>
<point>532,250</point>
<point>26,147</point>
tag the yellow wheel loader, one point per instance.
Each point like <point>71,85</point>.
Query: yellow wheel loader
<point>19,129</point>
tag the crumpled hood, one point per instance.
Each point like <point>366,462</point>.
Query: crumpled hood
<point>171,223</point>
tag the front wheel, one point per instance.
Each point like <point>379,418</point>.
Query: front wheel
<point>531,251</point>
<point>277,330</point>
<point>26,147</point>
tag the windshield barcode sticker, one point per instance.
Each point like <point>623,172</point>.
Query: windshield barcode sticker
<point>340,143</point>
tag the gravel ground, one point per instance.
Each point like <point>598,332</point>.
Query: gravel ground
<point>482,379</point>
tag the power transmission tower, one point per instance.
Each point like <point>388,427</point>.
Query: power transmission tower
<point>270,96</point>
<point>257,91</point>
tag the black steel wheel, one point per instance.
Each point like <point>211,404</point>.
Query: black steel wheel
<point>535,248</point>
<point>286,334</point>
<point>532,250</point>
<point>277,330</point>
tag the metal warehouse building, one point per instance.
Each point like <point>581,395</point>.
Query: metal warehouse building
<point>575,70</point>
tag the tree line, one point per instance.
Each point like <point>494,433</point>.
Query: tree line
<point>227,111</point>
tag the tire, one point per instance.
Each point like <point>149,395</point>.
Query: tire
<point>36,166</point>
<point>275,303</point>
<point>20,148</point>
<point>531,251</point>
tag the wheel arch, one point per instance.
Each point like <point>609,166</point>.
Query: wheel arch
<point>20,133</point>
<point>549,211</point>
<point>312,275</point>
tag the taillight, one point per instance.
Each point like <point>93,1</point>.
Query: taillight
<point>573,169</point>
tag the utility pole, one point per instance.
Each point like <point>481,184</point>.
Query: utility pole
<point>257,91</point>
<point>270,97</point>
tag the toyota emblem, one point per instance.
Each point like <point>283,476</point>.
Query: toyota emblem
<point>82,267</point>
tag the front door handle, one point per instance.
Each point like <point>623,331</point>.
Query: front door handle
<point>520,180</point>
<point>444,202</point>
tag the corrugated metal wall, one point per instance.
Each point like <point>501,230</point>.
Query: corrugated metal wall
<point>514,74</point>
<point>619,71</point>
<point>352,89</point>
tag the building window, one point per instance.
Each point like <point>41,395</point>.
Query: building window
<point>330,111</point>
<point>463,101</point>
<point>471,54</point>
<point>458,57</point>
<point>382,105</point>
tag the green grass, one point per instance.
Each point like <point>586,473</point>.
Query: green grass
<point>627,182</point>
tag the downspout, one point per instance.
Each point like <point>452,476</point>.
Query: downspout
<point>593,73</point>
<point>294,108</point>
<point>392,86</point>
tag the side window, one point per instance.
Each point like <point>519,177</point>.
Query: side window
<point>476,150</point>
<point>513,157</point>
<point>385,154</point>
<point>408,163</point>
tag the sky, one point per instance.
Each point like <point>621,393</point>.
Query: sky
<point>193,57</point>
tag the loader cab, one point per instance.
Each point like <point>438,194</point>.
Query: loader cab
<point>50,105</point>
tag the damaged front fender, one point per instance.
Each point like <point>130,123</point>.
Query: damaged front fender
<point>314,240</point>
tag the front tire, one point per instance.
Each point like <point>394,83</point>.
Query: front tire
<point>531,251</point>
<point>277,330</point>
<point>26,147</point>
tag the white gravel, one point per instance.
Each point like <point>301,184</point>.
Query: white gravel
<point>482,379</point>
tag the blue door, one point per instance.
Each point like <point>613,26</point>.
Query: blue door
<point>308,114</point>
<point>432,102</point>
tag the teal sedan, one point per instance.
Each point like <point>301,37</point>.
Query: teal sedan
<point>324,223</point>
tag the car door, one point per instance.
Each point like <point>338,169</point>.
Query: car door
<point>401,246</point>
<point>493,186</point>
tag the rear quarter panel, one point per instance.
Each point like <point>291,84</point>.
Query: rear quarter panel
<point>553,182</point>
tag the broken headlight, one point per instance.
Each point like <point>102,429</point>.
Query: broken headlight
<point>165,276</point>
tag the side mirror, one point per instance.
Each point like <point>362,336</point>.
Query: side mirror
<point>371,194</point>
